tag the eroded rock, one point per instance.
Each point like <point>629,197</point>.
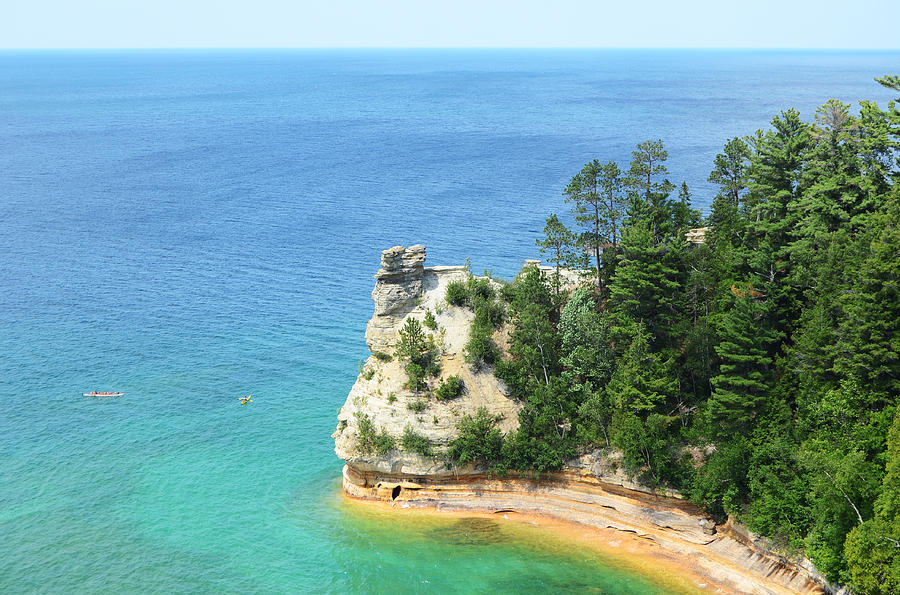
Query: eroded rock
<point>400,283</point>
<point>405,289</point>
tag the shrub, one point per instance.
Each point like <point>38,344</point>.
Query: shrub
<point>457,294</point>
<point>384,443</point>
<point>416,377</point>
<point>430,321</point>
<point>479,290</point>
<point>479,439</point>
<point>366,373</point>
<point>417,406</point>
<point>368,440</point>
<point>489,313</point>
<point>450,388</point>
<point>417,443</point>
<point>480,349</point>
<point>433,369</point>
<point>382,356</point>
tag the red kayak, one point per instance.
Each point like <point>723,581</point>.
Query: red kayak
<point>96,394</point>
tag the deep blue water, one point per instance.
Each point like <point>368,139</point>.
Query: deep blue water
<point>192,227</point>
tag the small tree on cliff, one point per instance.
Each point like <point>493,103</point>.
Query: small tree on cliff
<point>559,242</point>
<point>596,194</point>
<point>418,351</point>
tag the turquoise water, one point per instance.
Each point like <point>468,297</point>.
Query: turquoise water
<point>190,228</point>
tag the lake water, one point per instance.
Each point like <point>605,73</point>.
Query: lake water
<point>193,227</point>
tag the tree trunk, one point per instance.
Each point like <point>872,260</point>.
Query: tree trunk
<point>597,247</point>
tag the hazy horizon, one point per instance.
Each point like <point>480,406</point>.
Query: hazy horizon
<point>465,24</point>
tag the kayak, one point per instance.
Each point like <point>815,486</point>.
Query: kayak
<point>96,394</point>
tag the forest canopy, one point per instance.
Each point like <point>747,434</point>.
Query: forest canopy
<point>755,368</point>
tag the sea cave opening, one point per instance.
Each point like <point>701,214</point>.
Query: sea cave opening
<point>395,492</point>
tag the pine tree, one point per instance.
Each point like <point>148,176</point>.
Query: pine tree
<point>643,380</point>
<point>647,284</point>
<point>684,217</point>
<point>869,345</point>
<point>559,242</point>
<point>775,174</point>
<point>872,548</point>
<point>639,389</point>
<point>648,197</point>
<point>745,368</point>
<point>730,172</point>
<point>595,194</point>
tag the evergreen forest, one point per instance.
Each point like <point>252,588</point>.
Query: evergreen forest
<point>749,359</point>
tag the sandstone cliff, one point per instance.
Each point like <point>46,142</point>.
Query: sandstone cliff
<point>592,490</point>
<point>404,288</point>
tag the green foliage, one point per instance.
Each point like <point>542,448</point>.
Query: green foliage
<point>413,342</point>
<point>382,356</point>
<point>415,375</point>
<point>479,289</point>
<point>869,343</point>
<point>456,294</point>
<point>417,406</point>
<point>366,373</point>
<point>719,485</point>
<point>648,196</point>
<point>489,313</point>
<point>588,363</point>
<point>645,443</point>
<point>584,337</point>
<point>642,383</point>
<point>647,286</point>
<point>745,375</point>
<point>480,349</point>
<point>534,349</point>
<point>478,440</point>
<point>419,352</point>
<point>450,388</point>
<point>643,380</point>
<point>416,443</point>
<point>369,441</point>
<point>596,196</point>
<point>872,548</point>
<point>430,322</point>
<point>730,173</point>
<point>544,440</point>
<point>758,372</point>
<point>560,243</point>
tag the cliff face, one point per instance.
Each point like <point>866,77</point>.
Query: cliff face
<point>399,285</point>
<point>592,490</point>
<point>404,288</point>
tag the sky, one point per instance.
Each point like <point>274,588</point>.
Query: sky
<point>862,24</point>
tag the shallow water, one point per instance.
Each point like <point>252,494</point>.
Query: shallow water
<point>190,228</point>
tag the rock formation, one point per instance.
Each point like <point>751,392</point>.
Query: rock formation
<point>399,284</point>
<point>592,490</point>
<point>406,289</point>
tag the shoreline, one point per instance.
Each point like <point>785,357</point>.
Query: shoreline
<point>629,551</point>
<point>654,535</point>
